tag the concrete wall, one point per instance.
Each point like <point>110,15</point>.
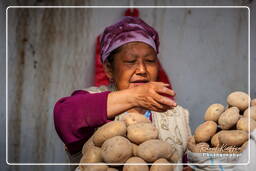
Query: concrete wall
<point>253,49</point>
<point>2,85</point>
<point>50,54</point>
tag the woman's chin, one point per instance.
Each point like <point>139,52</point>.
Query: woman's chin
<point>135,84</point>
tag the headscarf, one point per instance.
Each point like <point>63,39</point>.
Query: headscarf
<point>129,29</point>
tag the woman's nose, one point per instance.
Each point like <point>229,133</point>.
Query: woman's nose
<point>141,68</point>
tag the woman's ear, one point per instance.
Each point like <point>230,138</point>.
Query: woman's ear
<point>108,70</point>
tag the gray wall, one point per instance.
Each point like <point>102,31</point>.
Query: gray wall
<point>50,54</point>
<point>2,86</point>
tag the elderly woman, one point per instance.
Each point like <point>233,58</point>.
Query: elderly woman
<point>129,51</point>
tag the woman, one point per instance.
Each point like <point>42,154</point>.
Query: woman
<point>129,51</point>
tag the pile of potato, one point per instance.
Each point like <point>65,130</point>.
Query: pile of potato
<point>225,130</point>
<point>132,140</point>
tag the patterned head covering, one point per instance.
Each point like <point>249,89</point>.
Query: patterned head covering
<point>129,29</point>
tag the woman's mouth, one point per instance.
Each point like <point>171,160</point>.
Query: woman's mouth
<point>139,82</point>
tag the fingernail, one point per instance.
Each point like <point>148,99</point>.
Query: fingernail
<point>175,104</point>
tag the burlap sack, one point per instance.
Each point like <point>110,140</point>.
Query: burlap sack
<point>226,162</point>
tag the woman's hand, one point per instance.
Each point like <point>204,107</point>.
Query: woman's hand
<point>149,96</point>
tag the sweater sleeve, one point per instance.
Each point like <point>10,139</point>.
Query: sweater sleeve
<point>77,116</point>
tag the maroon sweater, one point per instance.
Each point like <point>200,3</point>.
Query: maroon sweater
<point>77,116</point>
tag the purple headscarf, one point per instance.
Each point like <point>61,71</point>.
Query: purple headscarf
<point>129,29</point>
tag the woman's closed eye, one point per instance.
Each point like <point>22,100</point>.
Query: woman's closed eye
<point>130,61</point>
<point>151,60</point>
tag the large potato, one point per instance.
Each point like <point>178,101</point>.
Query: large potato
<point>141,132</point>
<point>229,118</point>
<point>252,112</point>
<point>205,131</point>
<point>233,137</point>
<point>135,167</point>
<point>112,169</point>
<point>243,124</point>
<point>116,150</point>
<point>102,167</point>
<point>202,147</point>
<point>92,155</point>
<point>88,145</point>
<point>157,167</point>
<point>197,148</point>
<point>133,118</point>
<point>175,156</point>
<point>154,149</point>
<point>239,99</point>
<point>215,140</point>
<point>109,130</point>
<point>213,112</point>
<point>192,144</point>
<point>253,102</point>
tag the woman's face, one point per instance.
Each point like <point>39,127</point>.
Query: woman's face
<point>135,64</point>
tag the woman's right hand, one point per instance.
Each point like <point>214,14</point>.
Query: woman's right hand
<point>149,96</point>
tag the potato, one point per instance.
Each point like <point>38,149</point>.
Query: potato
<point>205,131</point>
<point>134,149</point>
<point>133,118</point>
<point>243,124</point>
<point>233,137</point>
<point>253,102</point>
<point>109,130</point>
<point>232,150</point>
<point>102,167</point>
<point>116,150</point>
<point>252,112</point>
<point>215,140</point>
<point>244,146</point>
<point>154,149</point>
<point>203,146</point>
<point>239,99</point>
<point>112,169</point>
<point>175,156</point>
<point>135,167</point>
<point>213,112</point>
<point>197,148</point>
<point>141,132</point>
<point>156,167</point>
<point>92,155</point>
<point>87,145</point>
<point>229,118</point>
<point>191,144</point>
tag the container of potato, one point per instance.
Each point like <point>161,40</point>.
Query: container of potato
<point>223,135</point>
<point>225,129</point>
<point>134,139</point>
